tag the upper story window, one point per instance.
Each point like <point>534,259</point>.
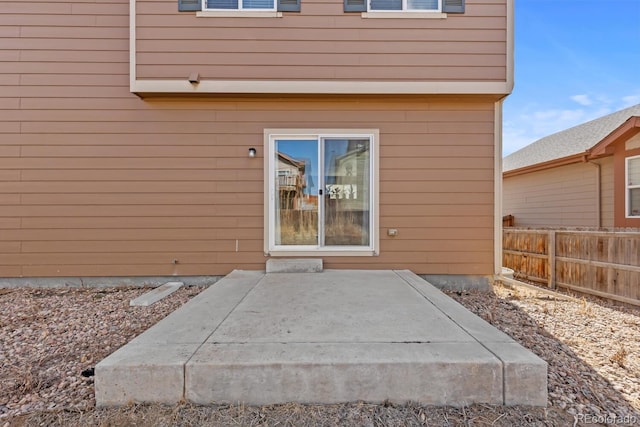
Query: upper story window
<point>633,187</point>
<point>396,8</point>
<point>239,5</point>
<point>393,8</point>
<point>409,5</point>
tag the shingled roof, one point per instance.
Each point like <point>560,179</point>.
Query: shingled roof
<point>569,142</point>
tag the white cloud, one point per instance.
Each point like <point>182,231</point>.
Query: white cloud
<point>582,99</point>
<point>515,139</point>
<point>628,101</point>
<point>546,122</point>
<point>530,126</point>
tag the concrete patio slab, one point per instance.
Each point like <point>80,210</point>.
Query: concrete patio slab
<point>334,336</point>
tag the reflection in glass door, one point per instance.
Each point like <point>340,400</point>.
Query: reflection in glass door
<point>296,192</point>
<point>346,196</point>
<point>322,192</point>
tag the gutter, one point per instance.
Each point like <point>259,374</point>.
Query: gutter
<point>576,158</point>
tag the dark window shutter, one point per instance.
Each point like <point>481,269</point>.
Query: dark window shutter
<point>386,5</point>
<point>288,5</point>
<point>189,5</point>
<point>355,5</point>
<point>453,6</point>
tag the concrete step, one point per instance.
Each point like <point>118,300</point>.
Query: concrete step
<point>340,336</point>
<point>277,265</point>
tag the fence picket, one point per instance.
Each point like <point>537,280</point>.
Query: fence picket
<point>594,262</point>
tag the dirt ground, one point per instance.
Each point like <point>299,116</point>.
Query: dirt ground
<point>51,338</point>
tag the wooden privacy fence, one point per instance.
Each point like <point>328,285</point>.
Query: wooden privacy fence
<point>601,263</point>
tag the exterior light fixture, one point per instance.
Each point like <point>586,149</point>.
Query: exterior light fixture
<point>252,152</point>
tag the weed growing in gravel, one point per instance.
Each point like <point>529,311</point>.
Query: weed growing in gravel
<point>549,309</point>
<point>514,295</point>
<point>585,307</point>
<point>619,357</point>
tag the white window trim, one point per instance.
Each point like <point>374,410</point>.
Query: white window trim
<point>240,8</point>
<point>627,187</point>
<point>235,13</point>
<point>405,10</point>
<point>408,14</point>
<point>270,248</point>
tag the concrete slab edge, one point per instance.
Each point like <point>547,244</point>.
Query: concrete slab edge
<point>126,374</point>
<point>524,374</point>
<point>336,373</point>
<point>459,282</point>
<point>196,320</point>
<point>472,324</point>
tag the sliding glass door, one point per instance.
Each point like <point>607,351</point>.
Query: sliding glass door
<point>321,192</point>
<point>296,192</point>
<point>346,184</point>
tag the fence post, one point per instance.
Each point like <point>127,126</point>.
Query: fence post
<point>551,250</point>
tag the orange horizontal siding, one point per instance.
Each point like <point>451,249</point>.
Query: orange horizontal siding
<point>97,182</point>
<point>89,187</point>
<point>115,270</point>
<point>315,46</point>
<point>410,34</point>
<point>127,210</point>
<point>141,199</point>
<point>141,236</point>
<point>301,71</point>
<point>322,42</point>
<point>136,175</point>
<point>203,193</point>
<point>119,163</point>
<point>202,224</point>
<point>346,59</point>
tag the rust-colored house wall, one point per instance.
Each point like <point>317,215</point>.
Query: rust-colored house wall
<point>322,42</point>
<point>95,181</point>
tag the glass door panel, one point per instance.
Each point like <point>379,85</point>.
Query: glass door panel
<point>296,192</point>
<point>346,181</point>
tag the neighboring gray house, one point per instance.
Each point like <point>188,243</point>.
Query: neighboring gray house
<point>585,176</point>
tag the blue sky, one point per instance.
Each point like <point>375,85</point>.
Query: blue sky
<point>576,60</point>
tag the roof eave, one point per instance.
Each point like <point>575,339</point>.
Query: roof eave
<point>625,131</point>
<point>575,158</point>
<point>604,148</point>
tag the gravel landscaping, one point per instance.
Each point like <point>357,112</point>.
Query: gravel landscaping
<point>50,339</point>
